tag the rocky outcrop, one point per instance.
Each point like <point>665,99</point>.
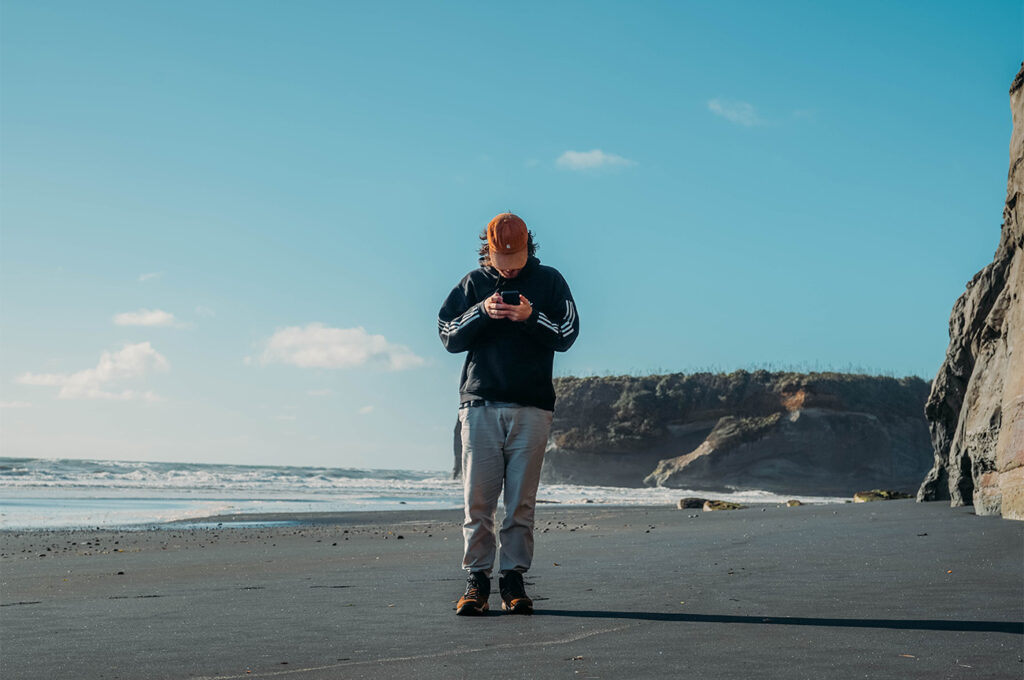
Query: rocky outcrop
<point>976,407</point>
<point>817,433</point>
<point>807,451</point>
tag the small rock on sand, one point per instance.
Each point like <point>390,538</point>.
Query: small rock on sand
<point>793,503</point>
<point>878,495</point>
<point>721,505</point>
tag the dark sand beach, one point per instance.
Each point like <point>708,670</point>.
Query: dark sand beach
<point>878,590</point>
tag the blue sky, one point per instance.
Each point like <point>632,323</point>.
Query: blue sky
<point>227,227</point>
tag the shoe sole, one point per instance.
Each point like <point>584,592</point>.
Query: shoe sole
<point>470,609</point>
<point>521,608</point>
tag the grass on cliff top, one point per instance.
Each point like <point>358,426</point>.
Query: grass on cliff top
<point>801,368</point>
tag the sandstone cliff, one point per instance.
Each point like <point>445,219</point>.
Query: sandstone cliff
<point>818,433</point>
<point>976,408</point>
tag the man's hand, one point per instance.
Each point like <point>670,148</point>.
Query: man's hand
<point>496,309</point>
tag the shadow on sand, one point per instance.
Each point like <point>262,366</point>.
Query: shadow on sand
<point>1012,627</point>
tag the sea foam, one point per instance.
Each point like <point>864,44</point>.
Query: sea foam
<point>64,493</point>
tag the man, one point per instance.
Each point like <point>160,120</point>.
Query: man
<point>510,315</point>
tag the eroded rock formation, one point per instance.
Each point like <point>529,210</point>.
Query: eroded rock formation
<point>976,407</point>
<point>818,433</point>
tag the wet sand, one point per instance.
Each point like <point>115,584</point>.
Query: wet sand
<point>882,590</point>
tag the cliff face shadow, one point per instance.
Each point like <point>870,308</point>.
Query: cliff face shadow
<point>1010,627</point>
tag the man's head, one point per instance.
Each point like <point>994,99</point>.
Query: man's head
<point>508,242</point>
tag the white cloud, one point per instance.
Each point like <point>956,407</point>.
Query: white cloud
<point>205,311</point>
<point>129,363</point>
<point>735,111</point>
<point>320,393</point>
<point>146,317</point>
<point>318,346</point>
<point>365,410</point>
<point>591,160</point>
<point>15,404</point>
<point>151,275</point>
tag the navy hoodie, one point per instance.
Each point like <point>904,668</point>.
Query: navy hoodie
<point>509,360</point>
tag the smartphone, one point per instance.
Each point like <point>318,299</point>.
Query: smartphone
<point>510,297</point>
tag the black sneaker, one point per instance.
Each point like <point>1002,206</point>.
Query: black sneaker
<point>474,601</point>
<point>513,594</point>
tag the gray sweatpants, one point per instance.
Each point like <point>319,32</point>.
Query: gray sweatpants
<point>502,446</point>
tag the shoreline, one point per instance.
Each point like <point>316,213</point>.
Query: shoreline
<point>25,509</point>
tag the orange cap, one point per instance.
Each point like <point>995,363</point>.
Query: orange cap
<point>507,237</point>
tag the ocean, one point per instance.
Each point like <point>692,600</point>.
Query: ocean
<point>41,493</point>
